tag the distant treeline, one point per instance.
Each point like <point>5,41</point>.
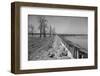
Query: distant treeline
<point>60,34</point>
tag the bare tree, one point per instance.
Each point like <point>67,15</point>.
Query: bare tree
<point>50,30</point>
<point>40,26</point>
<point>43,26</point>
<point>31,29</point>
<point>54,32</point>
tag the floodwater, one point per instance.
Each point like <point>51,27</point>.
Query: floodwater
<point>80,40</point>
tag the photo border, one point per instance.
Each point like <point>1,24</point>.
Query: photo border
<point>15,37</point>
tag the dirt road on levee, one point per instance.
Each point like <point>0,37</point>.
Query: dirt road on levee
<point>48,48</point>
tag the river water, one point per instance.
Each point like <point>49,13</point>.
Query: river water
<point>80,40</point>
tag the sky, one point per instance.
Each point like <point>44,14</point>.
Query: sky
<point>62,24</point>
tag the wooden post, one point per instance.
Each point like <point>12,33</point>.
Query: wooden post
<point>74,52</point>
<point>77,53</point>
<point>82,56</point>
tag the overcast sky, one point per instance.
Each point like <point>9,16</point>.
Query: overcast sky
<point>62,24</point>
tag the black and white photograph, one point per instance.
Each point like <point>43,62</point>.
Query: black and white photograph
<point>57,37</point>
<point>53,37</point>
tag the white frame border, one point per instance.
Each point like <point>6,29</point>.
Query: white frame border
<point>25,64</point>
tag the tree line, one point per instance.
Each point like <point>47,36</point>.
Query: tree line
<point>44,28</point>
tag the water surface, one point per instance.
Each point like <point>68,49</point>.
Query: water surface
<point>80,40</point>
